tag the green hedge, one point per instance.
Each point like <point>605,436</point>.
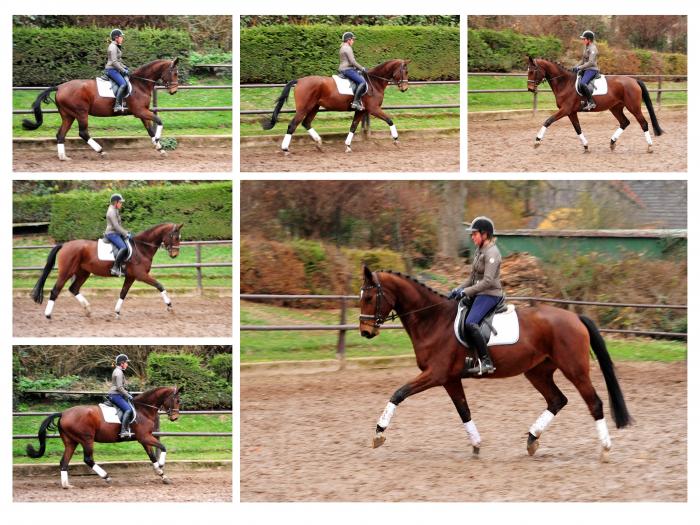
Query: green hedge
<point>491,50</point>
<point>51,56</point>
<point>31,208</point>
<point>202,389</point>
<point>222,366</point>
<point>285,52</point>
<point>205,209</point>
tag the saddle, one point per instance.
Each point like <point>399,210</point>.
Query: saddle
<point>346,86</point>
<point>107,88</point>
<point>106,251</point>
<point>498,327</point>
<point>113,414</point>
<point>598,85</point>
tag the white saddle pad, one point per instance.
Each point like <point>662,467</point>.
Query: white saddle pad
<point>104,88</point>
<point>104,251</point>
<point>343,85</point>
<point>109,413</point>
<point>506,324</point>
<point>600,86</point>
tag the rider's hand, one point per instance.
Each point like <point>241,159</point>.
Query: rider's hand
<point>130,397</point>
<point>364,70</point>
<point>126,72</point>
<point>455,293</point>
<point>574,69</point>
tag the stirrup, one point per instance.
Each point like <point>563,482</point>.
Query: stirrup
<point>357,106</point>
<point>126,434</point>
<point>118,108</point>
<point>589,106</point>
<point>116,272</point>
<point>481,369</point>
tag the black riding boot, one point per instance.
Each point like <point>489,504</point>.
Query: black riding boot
<point>587,91</point>
<point>476,341</point>
<point>119,102</point>
<point>357,102</point>
<point>125,425</point>
<point>118,261</point>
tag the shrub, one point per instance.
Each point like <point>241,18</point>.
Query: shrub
<point>491,50</point>
<point>51,56</point>
<point>202,388</point>
<point>222,366</point>
<point>31,208</point>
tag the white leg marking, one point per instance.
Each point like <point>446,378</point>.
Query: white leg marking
<point>314,135</point>
<point>541,132</point>
<point>386,416</point>
<point>583,139</point>
<point>542,422</point>
<point>157,468</point>
<point>49,308</point>
<point>603,435</point>
<point>648,137</point>
<point>64,479</point>
<point>94,145</point>
<point>165,297</point>
<point>473,433</point>
<point>161,459</point>
<point>99,471</point>
<point>83,302</point>
<point>118,307</point>
<point>394,133</point>
<point>617,134</point>
<point>159,130</point>
<point>62,152</point>
<point>348,140</point>
<point>286,141</point>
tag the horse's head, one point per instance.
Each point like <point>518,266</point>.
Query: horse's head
<point>401,75</point>
<point>169,77</point>
<point>171,239</point>
<point>375,305</point>
<point>172,404</point>
<point>535,74</point>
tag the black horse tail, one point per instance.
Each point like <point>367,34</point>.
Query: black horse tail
<point>650,108</point>
<point>47,424</point>
<point>618,408</point>
<point>38,290</point>
<point>44,97</point>
<point>270,123</point>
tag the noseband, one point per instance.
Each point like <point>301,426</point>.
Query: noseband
<point>393,80</point>
<point>377,319</point>
<point>170,408</point>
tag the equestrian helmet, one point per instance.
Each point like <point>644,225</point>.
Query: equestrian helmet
<point>482,224</point>
<point>121,358</point>
<point>116,33</point>
<point>348,35</point>
<point>590,35</point>
<point>116,197</point>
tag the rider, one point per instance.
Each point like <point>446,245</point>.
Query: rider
<point>484,286</point>
<point>116,233</point>
<point>589,65</point>
<point>349,66</point>
<point>115,68</point>
<point>119,395</point>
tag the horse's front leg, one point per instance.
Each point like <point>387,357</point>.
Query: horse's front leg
<point>455,390</point>
<point>573,117</point>
<point>425,380</point>
<point>355,121</point>
<point>128,281</point>
<point>148,444</point>
<point>378,112</point>
<point>149,279</point>
<point>551,120</point>
<point>148,115</point>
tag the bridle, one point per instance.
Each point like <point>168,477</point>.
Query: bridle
<point>157,408</point>
<point>537,69</point>
<point>161,81</point>
<point>168,245</point>
<point>393,80</point>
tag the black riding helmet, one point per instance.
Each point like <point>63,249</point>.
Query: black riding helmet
<point>116,33</point>
<point>121,358</point>
<point>116,197</point>
<point>482,224</point>
<point>588,34</point>
<point>348,36</point>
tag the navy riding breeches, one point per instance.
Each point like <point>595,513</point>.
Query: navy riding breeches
<point>118,400</point>
<point>117,240</point>
<point>116,76</point>
<point>354,76</point>
<point>480,307</point>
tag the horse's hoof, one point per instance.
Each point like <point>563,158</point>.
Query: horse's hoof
<point>87,312</point>
<point>117,316</point>
<point>532,447</point>
<point>63,159</point>
<point>169,308</point>
<point>586,150</point>
<point>537,144</point>
<point>612,145</point>
<point>67,486</point>
<point>378,440</point>
<point>167,481</point>
<point>48,317</point>
<point>348,149</point>
<point>605,455</point>
<point>396,143</point>
<point>649,149</point>
<point>108,480</point>
<point>475,451</point>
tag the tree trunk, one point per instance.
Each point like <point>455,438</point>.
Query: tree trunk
<point>451,233</point>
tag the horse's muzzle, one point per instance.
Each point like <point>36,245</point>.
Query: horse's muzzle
<point>174,253</point>
<point>367,334</point>
<point>172,90</point>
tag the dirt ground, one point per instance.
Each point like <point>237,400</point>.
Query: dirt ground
<point>127,160</point>
<point>507,145</point>
<point>141,316</point>
<point>307,438</point>
<point>138,485</point>
<point>415,153</point>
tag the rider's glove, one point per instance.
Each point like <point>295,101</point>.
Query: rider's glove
<point>456,293</point>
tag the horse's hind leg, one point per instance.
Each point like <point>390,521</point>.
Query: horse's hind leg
<point>299,116</point>
<point>66,123</point>
<point>128,281</point>
<point>68,450</point>
<point>424,381</point>
<point>60,282</point>
<point>637,112</point>
<point>80,279</point>
<point>573,117</point>
<point>355,121</point>
<point>619,113</point>
<point>87,458</point>
<point>456,392</point>
<point>542,379</point>
<point>85,135</point>
<point>310,116</point>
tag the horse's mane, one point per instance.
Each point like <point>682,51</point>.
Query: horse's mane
<point>150,392</point>
<point>147,67</point>
<point>384,65</point>
<point>562,68</point>
<point>150,231</point>
<point>416,281</point>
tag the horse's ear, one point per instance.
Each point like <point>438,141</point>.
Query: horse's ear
<point>529,58</point>
<point>406,62</point>
<point>179,226</point>
<point>179,389</point>
<point>367,273</point>
<point>175,61</point>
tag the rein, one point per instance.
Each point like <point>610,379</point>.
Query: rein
<point>157,408</point>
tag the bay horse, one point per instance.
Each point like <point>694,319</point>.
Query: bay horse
<point>313,92</point>
<point>84,425</point>
<point>623,92</point>
<point>550,339</point>
<point>76,99</point>
<point>78,260</point>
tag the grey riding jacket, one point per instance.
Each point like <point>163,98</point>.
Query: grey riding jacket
<point>347,58</point>
<point>114,58</point>
<point>118,383</point>
<point>114,222</point>
<point>485,275</point>
<point>590,57</point>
